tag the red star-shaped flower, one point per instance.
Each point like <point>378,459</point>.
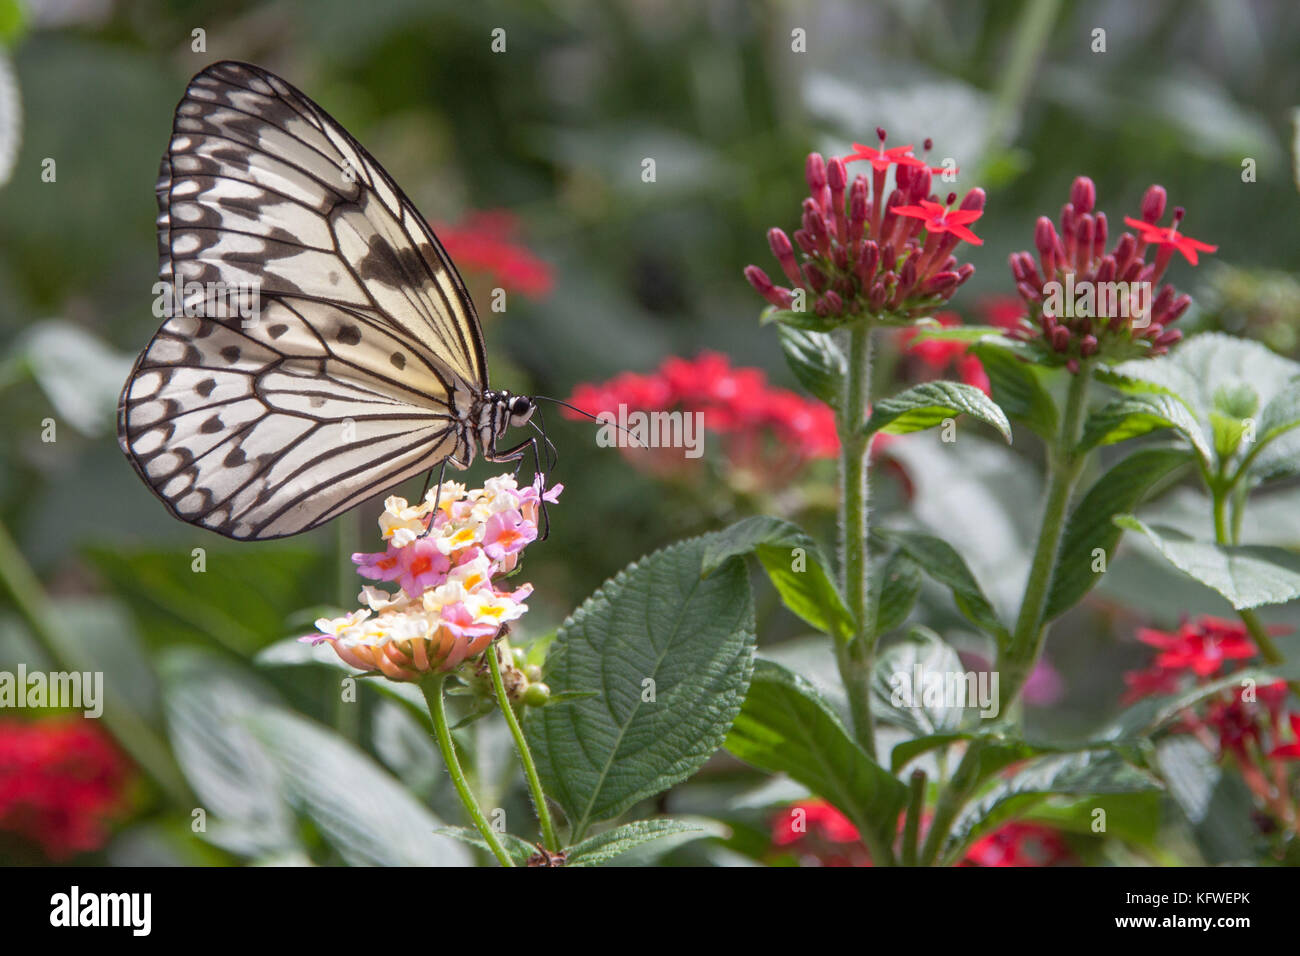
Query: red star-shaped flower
<point>939,218</point>
<point>1170,236</point>
<point>882,159</point>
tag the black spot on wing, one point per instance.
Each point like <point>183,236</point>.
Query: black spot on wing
<point>349,335</point>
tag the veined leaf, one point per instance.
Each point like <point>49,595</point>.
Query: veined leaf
<point>1132,415</point>
<point>1247,575</point>
<point>1017,386</point>
<point>816,360</point>
<point>930,403</point>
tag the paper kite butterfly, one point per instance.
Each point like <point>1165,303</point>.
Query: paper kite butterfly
<point>323,347</point>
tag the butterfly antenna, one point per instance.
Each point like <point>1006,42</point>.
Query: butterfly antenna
<point>594,418</point>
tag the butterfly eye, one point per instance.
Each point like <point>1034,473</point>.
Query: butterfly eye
<point>521,409</point>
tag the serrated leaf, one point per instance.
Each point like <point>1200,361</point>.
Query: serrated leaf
<point>809,321</point>
<point>902,674</point>
<point>930,403</point>
<point>794,563</point>
<point>660,621</point>
<point>519,850</point>
<point>1079,772</point>
<point>1090,526</point>
<point>1247,575</point>
<point>603,847</point>
<point>1017,386</point>
<point>941,561</point>
<point>816,360</point>
<point>1133,415</point>
<point>786,727</point>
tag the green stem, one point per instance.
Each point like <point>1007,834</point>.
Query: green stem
<point>148,752</point>
<point>1065,463</point>
<point>855,657</point>
<point>912,826</point>
<point>432,688</point>
<point>1016,660</point>
<point>525,755</point>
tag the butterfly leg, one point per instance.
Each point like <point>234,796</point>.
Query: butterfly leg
<point>517,454</point>
<point>442,470</point>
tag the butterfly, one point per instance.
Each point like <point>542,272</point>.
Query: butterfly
<point>320,345</point>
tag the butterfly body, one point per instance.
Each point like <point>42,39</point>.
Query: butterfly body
<point>319,345</point>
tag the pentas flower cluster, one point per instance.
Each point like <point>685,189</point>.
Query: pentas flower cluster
<point>859,252</point>
<point>1251,727</point>
<point>819,835</point>
<point>767,433</point>
<point>62,784</point>
<point>448,607</point>
<point>1084,301</point>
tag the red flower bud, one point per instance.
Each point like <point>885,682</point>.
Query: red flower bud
<point>1153,204</point>
<point>815,172</point>
<point>1083,194</point>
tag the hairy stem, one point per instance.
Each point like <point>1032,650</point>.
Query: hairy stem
<point>1016,661</point>
<point>432,688</point>
<point>525,754</point>
<point>855,657</point>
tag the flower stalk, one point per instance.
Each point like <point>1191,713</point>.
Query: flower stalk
<point>525,754</point>
<point>432,687</point>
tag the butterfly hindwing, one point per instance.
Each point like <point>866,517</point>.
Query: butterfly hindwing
<point>342,347</point>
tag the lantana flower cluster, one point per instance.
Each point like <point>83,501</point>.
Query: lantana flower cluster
<point>859,252</point>
<point>820,835</point>
<point>449,605</point>
<point>62,784</point>
<point>767,433</point>
<point>1249,725</point>
<point>1084,301</point>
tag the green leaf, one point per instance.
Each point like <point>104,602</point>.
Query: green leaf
<point>786,727</point>
<point>928,330</point>
<point>795,565</point>
<point>941,562</point>
<point>1149,715</point>
<point>1017,385</point>
<point>893,588</point>
<point>903,673</point>
<point>816,360</point>
<point>930,403</point>
<point>366,815</point>
<point>1215,800</point>
<point>1090,526</point>
<point>997,749</point>
<point>1247,575</point>
<point>1076,773</point>
<point>808,321</point>
<point>1280,416</point>
<point>603,847</point>
<point>1132,415</point>
<point>519,850</point>
<point>670,654</point>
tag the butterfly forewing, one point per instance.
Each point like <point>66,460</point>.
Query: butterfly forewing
<point>322,346</point>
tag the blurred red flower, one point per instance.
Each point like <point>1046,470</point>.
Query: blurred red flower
<point>62,783</point>
<point>819,833</point>
<point>767,431</point>
<point>936,355</point>
<point>486,242</point>
<point>1202,646</point>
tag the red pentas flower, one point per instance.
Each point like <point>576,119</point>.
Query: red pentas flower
<point>767,433</point>
<point>486,242</point>
<point>1202,646</point>
<point>62,783</point>
<point>1290,751</point>
<point>1084,301</point>
<point>864,253</point>
<point>819,834</point>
